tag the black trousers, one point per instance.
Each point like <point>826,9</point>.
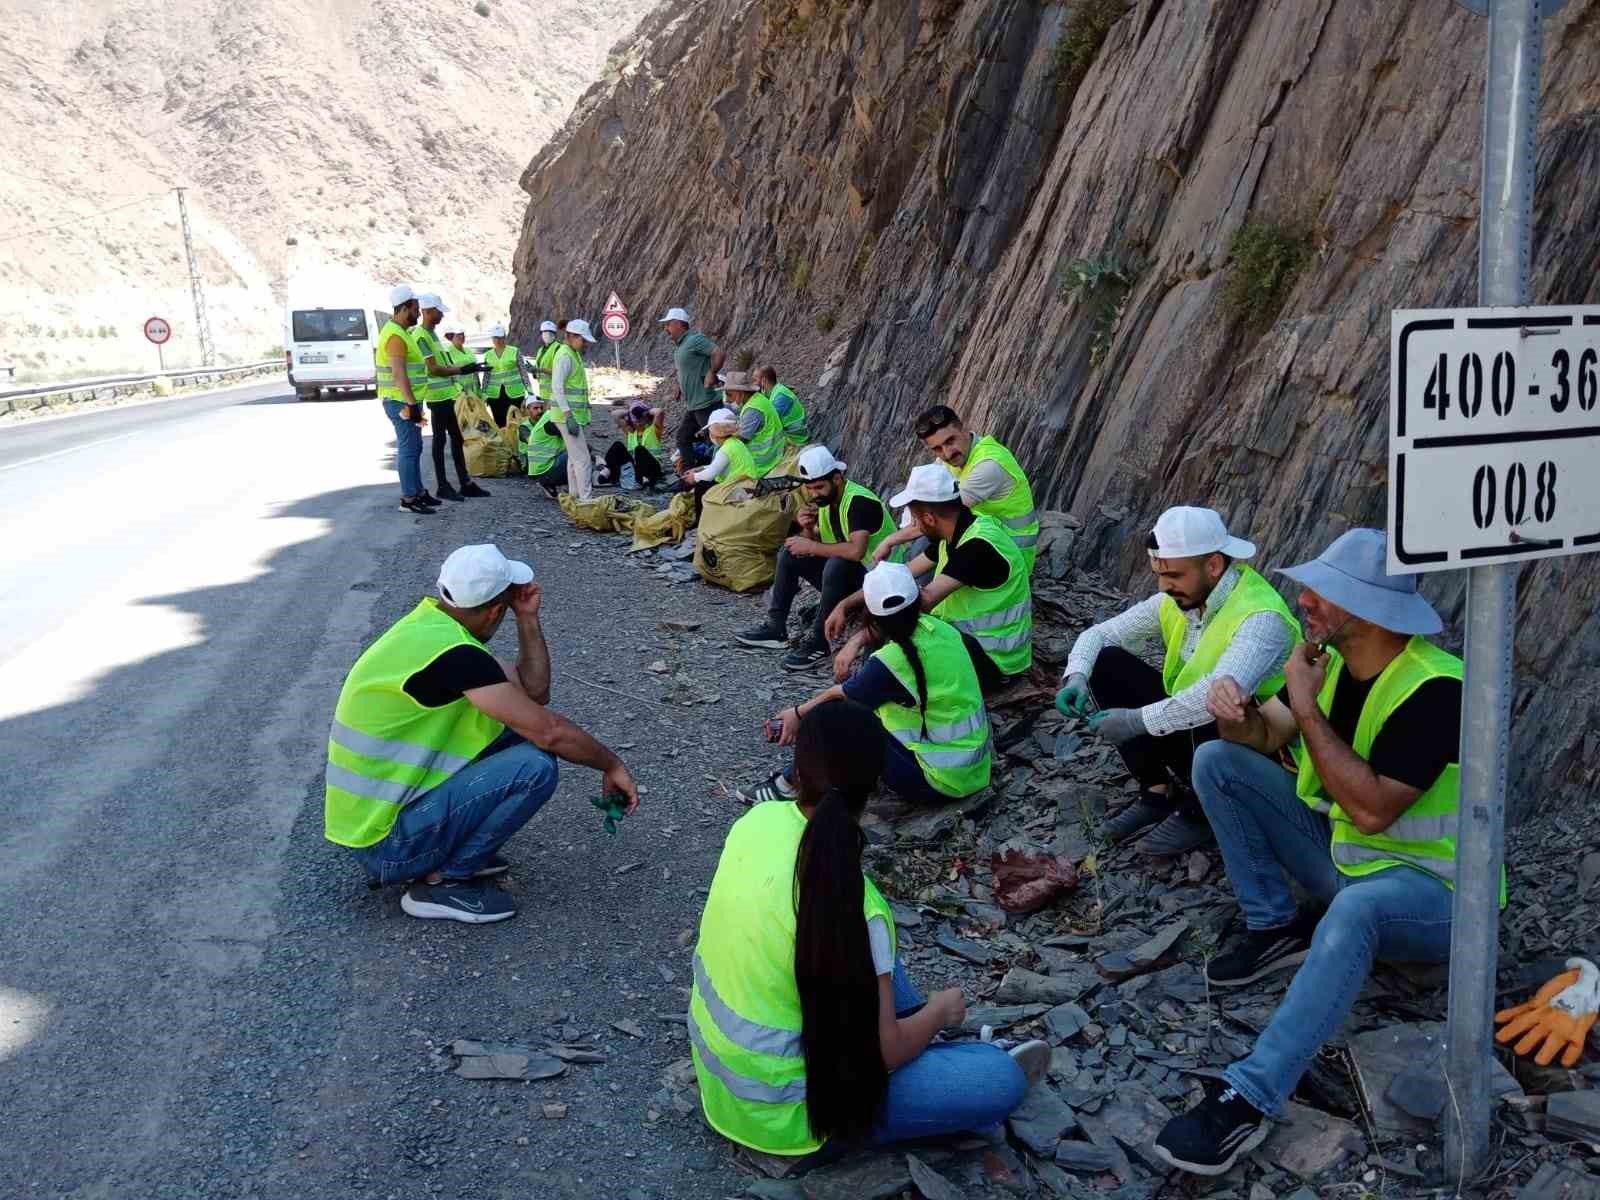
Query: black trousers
<point>1122,680</point>
<point>689,431</point>
<point>835,578</point>
<point>645,467</point>
<point>500,404</point>
<point>442,420</point>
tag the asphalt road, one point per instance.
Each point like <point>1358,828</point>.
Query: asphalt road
<point>198,995</point>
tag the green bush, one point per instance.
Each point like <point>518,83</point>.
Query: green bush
<point>800,275</point>
<point>743,359</point>
<point>1268,255</point>
<point>1087,26</point>
<point>481,8</point>
<point>1101,285</point>
<point>825,322</point>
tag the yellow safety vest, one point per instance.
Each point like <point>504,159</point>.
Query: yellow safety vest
<point>744,1008</point>
<point>575,387</point>
<point>503,373</point>
<point>768,442</point>
<point>649,439</point>
<point>955,750</point>
<point>740,464</point>
<point>1001,618</point>
<point>438,388</point>
<point>542,445</point>
<point>794,417</point>
<point>416,369</point>
<point>1015,509</point>
<point>543,362</point>
<point>830,536</point>
<point>385,750</point>
<point>1251,595</point>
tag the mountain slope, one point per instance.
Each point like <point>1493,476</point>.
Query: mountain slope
<point>920,178</point>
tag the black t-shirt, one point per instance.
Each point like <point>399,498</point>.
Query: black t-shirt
<point>454,673</point>
<point>1420,738</point>
<point>864,515</point>
<point>976,564</point>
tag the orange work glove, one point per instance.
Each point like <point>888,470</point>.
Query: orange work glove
<point>1558,1018</point>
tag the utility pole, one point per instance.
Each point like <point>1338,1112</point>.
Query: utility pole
<point>1505,251</point>
<point>208,353</point>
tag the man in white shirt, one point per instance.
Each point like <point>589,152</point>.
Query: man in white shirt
<point>1215,616</point>
<point>569,388</point>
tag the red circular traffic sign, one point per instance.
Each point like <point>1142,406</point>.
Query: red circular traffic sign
<point>157,330</point>
<point>614,326</point>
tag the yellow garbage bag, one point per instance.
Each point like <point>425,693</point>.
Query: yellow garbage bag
<point>737,545</point>
<point>515,415</point>
<point>487,455</point>
<point>668,525</point>
<point>603,514</point>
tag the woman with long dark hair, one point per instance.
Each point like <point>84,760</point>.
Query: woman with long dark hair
<point>922,685</point>
<point>804,1027</point>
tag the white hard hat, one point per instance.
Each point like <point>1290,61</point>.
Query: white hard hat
<point>581,328</point>
<point>675,314</point>
<point>931,483</point>
<point>889,587</point>
<point>817,462</point>
<point>399,294</point>
<point>497,330</point>
<point>475,575</point>
<point>1187,532</point>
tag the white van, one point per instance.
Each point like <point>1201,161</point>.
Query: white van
<point>331,348</point>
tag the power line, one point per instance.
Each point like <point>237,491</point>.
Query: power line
<point>17,237</point>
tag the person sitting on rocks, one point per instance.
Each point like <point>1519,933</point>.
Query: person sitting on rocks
<point>439,752</point>
<point>760,426</point>
<point>980,581</point>
<point>544,450</point>
<point>803,1024</point>
<point>1216,617</point>
<point>992,483</point>
<point>788,406</point>
<point>921,684</point>
<point>731,461</point>
<point>1366,826</point>
<point>840,525</point>
<point>639,447</point>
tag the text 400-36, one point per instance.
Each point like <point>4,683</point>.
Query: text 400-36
<point>1580,382</point>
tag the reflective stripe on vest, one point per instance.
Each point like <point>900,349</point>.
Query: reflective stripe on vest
<point>541,444</point>
<point>543,364</point>
<point>649,439</point>
<point>459,357</point>
<point>793,417</point>
<point>1250,595</point>
<point>416,369</point>
<point>1001,618</point>
<point>1015,510</point>
<point>436,388</point>
<point>955,750</point>
<point>766,445</point>
<point>384,749</point>
<point>853,490</point>
<point>740,464</point>
<point>503,373</point>
<point>1424,835</point>
<point>576,385</point>
<point>744,1007</point>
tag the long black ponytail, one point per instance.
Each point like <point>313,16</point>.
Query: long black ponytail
<point>898,627</point>
<point>838,758</point>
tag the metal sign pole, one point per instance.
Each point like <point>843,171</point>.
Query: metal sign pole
<point>1505,226</point>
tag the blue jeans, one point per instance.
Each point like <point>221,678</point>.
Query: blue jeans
<point>557,474</point>
<point>458,826</point>
<point>1268,836</point>
<point>951,1087</point>
<point>407,449</point>
<point>902,775</point>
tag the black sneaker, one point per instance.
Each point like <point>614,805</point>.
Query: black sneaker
<point>1180,833</point>
<point>765,636</point>
<point>413,505</point>
<point>1214,1134</point>
<point>471,488</point>
<point>550,490</point>
<point>1259,952</point>
<point>446,492</point>
<point>806,657</point>
<point>430,499</point>
<point>1151,808</point>
<point>474,903</point>
<point>773,787</point>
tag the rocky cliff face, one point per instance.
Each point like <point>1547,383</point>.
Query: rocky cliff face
<point>918,177</point>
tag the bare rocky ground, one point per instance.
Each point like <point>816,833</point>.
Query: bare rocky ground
<point>332,1071</point>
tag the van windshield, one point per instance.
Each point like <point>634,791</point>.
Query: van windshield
<point>329,325</point>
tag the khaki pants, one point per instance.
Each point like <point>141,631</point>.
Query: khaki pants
<point>580,467</point>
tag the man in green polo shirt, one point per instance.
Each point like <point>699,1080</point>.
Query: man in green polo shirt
<point>1214,616</point>
<point>697,360</point>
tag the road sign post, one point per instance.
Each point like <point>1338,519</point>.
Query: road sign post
<point>157,330</point>
<point>614,324</point>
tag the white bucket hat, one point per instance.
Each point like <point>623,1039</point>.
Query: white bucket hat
<point>475,575</point>
<point>1186,532</point>
<point>675,314</point>
<point>889,587</point>
<point>1353,573</point>
<point>581,328</point>
<point>818,462</point>
<point>931,483</point>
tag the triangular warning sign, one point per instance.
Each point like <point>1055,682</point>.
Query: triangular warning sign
<point>614,304</point>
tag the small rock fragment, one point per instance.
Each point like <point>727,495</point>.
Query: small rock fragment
<point>930,1183</point>
<point>555,1112</point>
<point>632,1028</point>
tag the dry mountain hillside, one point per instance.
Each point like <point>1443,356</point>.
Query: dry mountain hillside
<point>1153,245</point>
<point>333,139</point>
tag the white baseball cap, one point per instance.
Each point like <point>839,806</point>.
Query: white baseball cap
<point>723,416</point>
<point>399,294</point>
<point>931,482</point>
<point>817,462</point>
<point>581,328</point>
<point>675,314</point>
<point>889,587</point>
<point>449,327</point>
<point>497,330</point>
<point>548,327</point>
<point>433,300</point>
<point>1187,532</point>
<point>475,575</point>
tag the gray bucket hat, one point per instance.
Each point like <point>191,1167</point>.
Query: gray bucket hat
<point>1352,573</point>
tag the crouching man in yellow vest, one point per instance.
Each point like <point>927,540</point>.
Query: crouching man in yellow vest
<point>439,752</point>
<point>1215,616</point>
<point>1367,826</point>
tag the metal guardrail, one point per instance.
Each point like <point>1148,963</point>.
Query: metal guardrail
<point>89,385</point>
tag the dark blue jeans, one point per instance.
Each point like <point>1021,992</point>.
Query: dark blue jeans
<point>902,775</point>
<point>457,827</point>
<point>407,450</point>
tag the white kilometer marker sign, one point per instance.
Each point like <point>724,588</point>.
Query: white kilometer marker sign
<point>1494,448</point>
